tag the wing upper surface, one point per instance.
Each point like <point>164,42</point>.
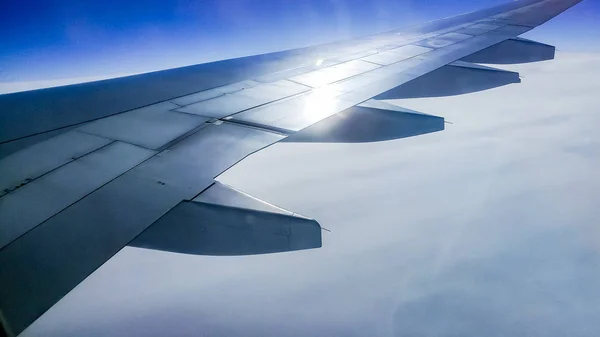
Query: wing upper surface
<point>84,185</point>
<point>60,107</point>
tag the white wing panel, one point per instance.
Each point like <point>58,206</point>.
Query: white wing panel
<point>150,127</point>
<point>444,40</point>
<point>319,78</point>
<point>225,105</point>
<point>77,239</point>
<point>90,231</point>
<point>215,92</point>
<point>25,208</point>
<point>299,112</point>
<point>222,194</point>
<point>397,55</point>
<point>36,160</point>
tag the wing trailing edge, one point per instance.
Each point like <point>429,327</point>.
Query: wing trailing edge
<point>371,121</point>
<point>513,51</point>
<point>223,221</point>
<point>457,78</point>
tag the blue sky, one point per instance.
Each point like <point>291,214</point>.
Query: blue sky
<point>44,40</point>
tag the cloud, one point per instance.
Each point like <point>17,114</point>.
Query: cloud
<point>487,228</point>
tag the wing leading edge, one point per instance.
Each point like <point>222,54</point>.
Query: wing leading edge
<point>139,167</point>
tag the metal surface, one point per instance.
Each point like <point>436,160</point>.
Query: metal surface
<point>510,30</point>
<point>513,51</point>
<point>32,162</point>
<point>8,148</point>
<point>319,78</point>
<point>208,229</point>
<point>457,78</point>
<point>296,113</point>
<point>62,106</point>
<point>281,75</point>
<point>485,26</point>
<point>299,112</point>
<point>402,72</point>
<point>473,30</point>
<point>191,165</point>
<point>225,105</point>
<point>222,194</point>
<point>354,56</point>
<point>76,241</point>
<point>443,40</point>
<point>536,13</point>
<point>42,265</point>
<point>215,92</point>
<point>25,208</point>
<point>394,263</point>
<point>151,127</point>
<point>397,54</point>
<point>373,121</point>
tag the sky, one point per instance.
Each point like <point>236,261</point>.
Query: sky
<point>44,41</point>
<point>487,228</point>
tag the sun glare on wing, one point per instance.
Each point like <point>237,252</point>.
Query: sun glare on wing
<point>319,103</point>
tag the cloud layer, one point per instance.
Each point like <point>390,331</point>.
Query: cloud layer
<point>487,228</point>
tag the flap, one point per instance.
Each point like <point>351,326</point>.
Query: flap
<point>201,228</point>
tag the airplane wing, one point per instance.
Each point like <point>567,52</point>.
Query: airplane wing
<point>88,169</point>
